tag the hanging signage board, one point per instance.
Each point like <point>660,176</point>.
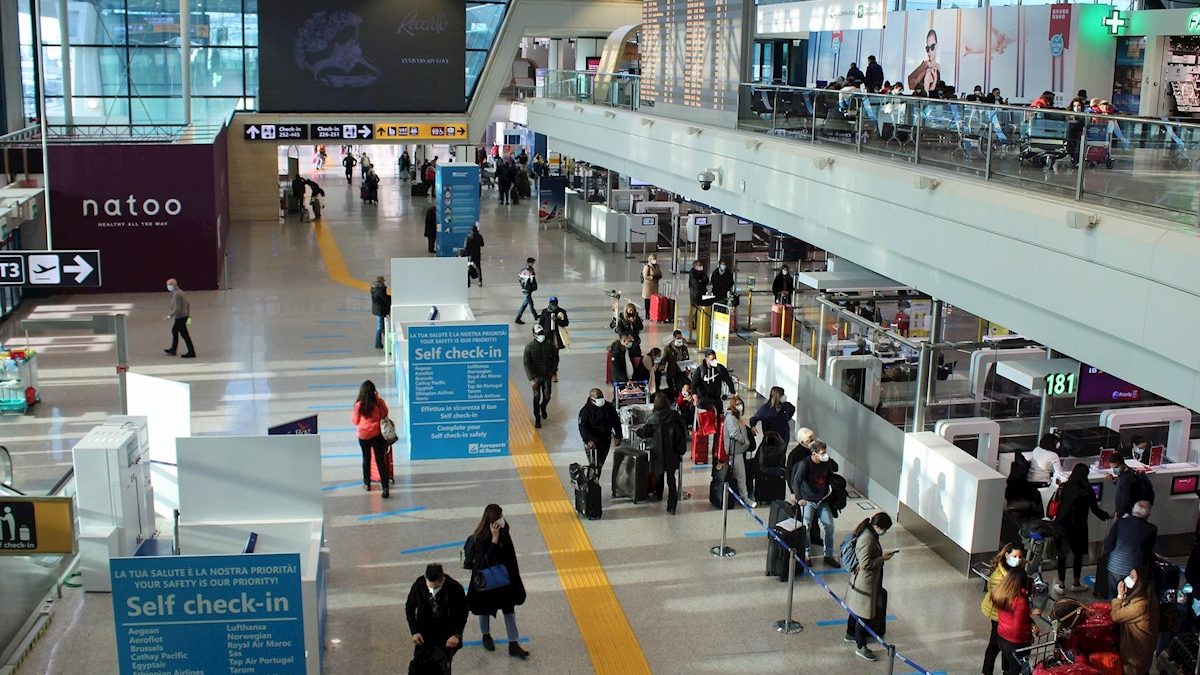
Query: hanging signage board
<point>37,526</point>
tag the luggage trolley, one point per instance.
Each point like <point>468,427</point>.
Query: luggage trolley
<point>1045,143</point>
<point>1099,140</point>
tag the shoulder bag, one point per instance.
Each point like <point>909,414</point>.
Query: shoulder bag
<point>490,578</point>
<point>387,429</point>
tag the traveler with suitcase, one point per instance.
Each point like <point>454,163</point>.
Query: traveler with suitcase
<point>553,319</point>
<point>599,427</point>
<point>651,273</point>
<point>1012,555</point>
<point>1075,499</point>
<point>810,484</point>
<point>541,363</point>
<point>1130,543</point>
<point>710,382</point>
<point>675,353</point>
<point>783,287</point>
<point>776,414</point>
<point>668,444</point>
<point>630,322</point>
<point>736,434</point>
<point>495,578</point>
<point>697,289</point>
<point>1136,613</point>
<point>863,557</point>
<point>620,361</point>
<point>1014,618</point>
<point>436,610</point>
<point>368,415</point>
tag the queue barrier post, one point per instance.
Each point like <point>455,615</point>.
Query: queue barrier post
<point>786,625</point>
<point>724,551</point>
<point>891,658</point>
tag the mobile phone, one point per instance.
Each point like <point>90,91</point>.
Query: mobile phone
<point>895,552</point>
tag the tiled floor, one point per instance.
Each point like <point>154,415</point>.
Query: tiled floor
<point>262,346</point>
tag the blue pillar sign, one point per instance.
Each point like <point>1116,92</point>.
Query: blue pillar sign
<point>208,614</point>
<point>458,391</point>
<point>456,188</point>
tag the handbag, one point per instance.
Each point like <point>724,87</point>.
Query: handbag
<point>490,578</point>
<point>387,429</point>
<point>565,336</point>
<point>1055,504</point>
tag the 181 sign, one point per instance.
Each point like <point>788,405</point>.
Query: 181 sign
<point>1062,384</point>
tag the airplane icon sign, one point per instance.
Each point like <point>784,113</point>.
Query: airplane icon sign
<point>70,269</point>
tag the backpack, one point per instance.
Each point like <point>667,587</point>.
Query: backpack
<point>848,552</point>
<point>528,280</point>
<point>1142,489</point>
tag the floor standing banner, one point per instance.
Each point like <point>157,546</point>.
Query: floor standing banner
<point>209,614</point>
<point>456,188</point>
<point>458,391</point>
<point>552,197</point>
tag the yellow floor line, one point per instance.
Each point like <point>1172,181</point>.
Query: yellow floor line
<point>605,629</point>
<point>610,640</point>
<point>334,264</point>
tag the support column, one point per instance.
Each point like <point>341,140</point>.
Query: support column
<point>185,58</point>
<point>64,31</point>
<point>1044,413</point>
<point>922,388</point>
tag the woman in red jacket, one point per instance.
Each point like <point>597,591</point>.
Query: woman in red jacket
<point>369,411</point>
<point>1014,629</point>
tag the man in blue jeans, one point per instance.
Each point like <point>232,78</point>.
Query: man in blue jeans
<point>810,486</point>
<point>528,280</point>
<point>381,307</point>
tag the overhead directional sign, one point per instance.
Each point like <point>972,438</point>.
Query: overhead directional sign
<point>275,132</point>
<point>356,131</point>
<point>47,269</point>
<point>394,131</point>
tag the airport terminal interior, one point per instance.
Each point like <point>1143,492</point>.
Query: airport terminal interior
<point>972,290</point>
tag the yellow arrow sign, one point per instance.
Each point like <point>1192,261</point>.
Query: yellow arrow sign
<point>403,131</point>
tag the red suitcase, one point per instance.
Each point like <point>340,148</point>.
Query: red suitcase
<point>699,448</point>
<point>1108,663</point>
<point>662,309</point>
<point>608,365</point>
<point>781,315</point>
<point>390,469</point>
<point>1065,669</point>
<point>1096,632</point>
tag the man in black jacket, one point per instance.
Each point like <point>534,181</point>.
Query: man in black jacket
<point>431,227</point>
<point>707,380</point>
<point>874,74</point>
<point>722,282</point>
<point>527,280</point>
<point>599,427</point>
<point>619,357</point>
<point>810,485</point>
<point>381,307</point>
<point>474,249</point>
<point>551,319</point>
<point>541,362</point>
<point>437,614</point>
<point>697,288</point>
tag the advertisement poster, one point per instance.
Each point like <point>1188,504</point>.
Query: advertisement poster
<point>153,211</point>
<point>209,614</point>
<point>552,198</point>
<point>362,56</point>
<point>456,188</point>
<point>919,318</point>
<point>304,425</point>
<point>458,391</point>
<point>720,335</point>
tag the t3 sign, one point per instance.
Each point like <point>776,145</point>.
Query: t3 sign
<point>50,269</point>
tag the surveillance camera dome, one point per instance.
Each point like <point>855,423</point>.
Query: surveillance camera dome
<point>706,179</point>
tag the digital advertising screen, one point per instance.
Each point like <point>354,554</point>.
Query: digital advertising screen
<point>1097,387</point>
<point>352,56</point>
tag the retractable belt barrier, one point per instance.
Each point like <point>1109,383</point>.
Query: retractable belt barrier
<point>796,558</point>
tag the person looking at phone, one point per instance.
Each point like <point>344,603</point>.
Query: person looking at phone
<point>491,546</point>
<point>865,595</point>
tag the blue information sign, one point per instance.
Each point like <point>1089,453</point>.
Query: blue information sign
<point>458,391</point>
<point>209,614</point>
<point>456,188</point>
<point>304,425</point>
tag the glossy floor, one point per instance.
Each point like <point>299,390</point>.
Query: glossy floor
<point>265,347</point>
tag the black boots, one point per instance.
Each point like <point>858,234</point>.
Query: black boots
<point>514,649</point>
<point>488,643</point>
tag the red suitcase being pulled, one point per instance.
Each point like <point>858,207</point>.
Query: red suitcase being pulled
<point>662,309</point>
<point>1065,669</point>
<point>781,315</point>
<point>699,448</point>
<point>1096,632</point>
<point>1108,663</point>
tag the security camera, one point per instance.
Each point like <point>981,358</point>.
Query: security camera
<point>706,178</point>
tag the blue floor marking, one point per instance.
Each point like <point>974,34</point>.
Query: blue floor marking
<point>755,533</point>
<point>388,514</point>
<point>824,572</point>
<point>348,455</point>
<point>332,367</point>
<point>479,643</point>
<point>346,322</point>
<point>331,406</point>
<point>433,547</point>
<point>700,467</point>
<point>339,486</point>
<point>322,385</point>
<point>329,351</point>
<point>842,622</point>
<point>329,336</point>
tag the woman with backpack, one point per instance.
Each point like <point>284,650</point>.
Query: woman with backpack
<point>495,578</point>
<point>1010,557</point>
<point>369,412</point>
<point>865,595</point>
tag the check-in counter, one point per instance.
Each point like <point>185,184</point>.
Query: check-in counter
<point>1175,515</point>
<point>729,225</point>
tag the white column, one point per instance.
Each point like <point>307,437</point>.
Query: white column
<point>185,58</point>
<point>64,31</point>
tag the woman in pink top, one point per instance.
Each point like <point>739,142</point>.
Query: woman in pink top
<point>369,411</point>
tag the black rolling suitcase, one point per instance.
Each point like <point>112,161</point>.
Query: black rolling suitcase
<point>418,190</point>
<point>777,556</point>
<point>631,474</point>
<point>720,477</point>
<point>770,484</point>
<point>587,488</point>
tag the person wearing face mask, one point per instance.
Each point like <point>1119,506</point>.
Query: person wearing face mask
<point>722,282</point>
<point>1136,613</point>
<point>801,450</point>
<point>737,443</point>
<point>1139,449</point>
<point>437,614</point>
<point>865,595</point>
<point>1130,543</point>
<point>810,485</point>
<point>491,545</point>
<point>630,322</point>
<point>541,363</point>
<point>652,363</point>
<point>599,427</point>
<point>554,321</point>
<point>651,273</point>
<point>697,289</point>
<point>1132,486</point>
<point>707,381</point>
<point>1014,618</point>
<point>621,364</point>
<point>668,443</point>
<point>674,353</point>
<point>775,414</point>
<point>1045,465</point>
<point>1009,558</point>
<point>1076,499</point>
<point>181,311</point>
<point>783,286</point>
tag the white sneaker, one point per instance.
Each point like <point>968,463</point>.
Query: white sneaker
<point>1058,587</point>
<point>754,505</point>
<point>864,653</point>
<point>1078,588</point>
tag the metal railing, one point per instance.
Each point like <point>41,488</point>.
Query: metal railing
<point>1135,163</point>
